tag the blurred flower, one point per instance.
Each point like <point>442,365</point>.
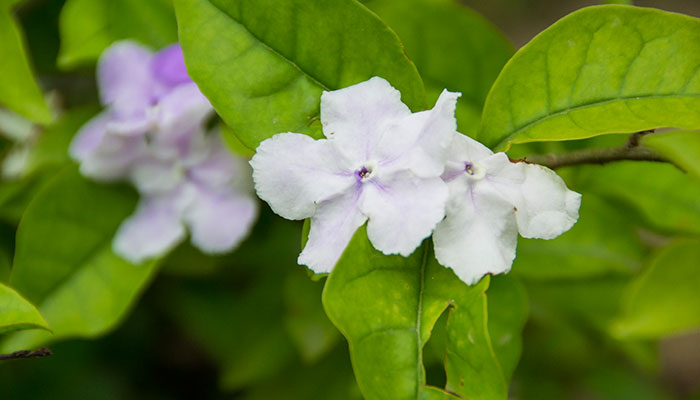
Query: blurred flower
<point>491,200</point>
<point>153,133</point>
<point>380,162</point>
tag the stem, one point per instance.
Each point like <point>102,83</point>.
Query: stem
<point>633,150</point>
<point>42,352</point>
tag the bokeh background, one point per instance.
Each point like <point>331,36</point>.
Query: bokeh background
<point>250,326</point>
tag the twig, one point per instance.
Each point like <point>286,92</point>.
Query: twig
<point>632,150</point>
<point>42,352</point>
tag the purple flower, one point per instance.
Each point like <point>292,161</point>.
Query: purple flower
<point>152,133</point>
<point>380,163</point>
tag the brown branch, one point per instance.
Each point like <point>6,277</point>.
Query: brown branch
<point>632,150</point>
<point>42,352</point>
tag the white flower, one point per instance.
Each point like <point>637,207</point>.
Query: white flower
<point>380,162</point>
<point>491,200</point>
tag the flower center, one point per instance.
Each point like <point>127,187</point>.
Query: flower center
<point>474,170</point>
<point>365,172</point>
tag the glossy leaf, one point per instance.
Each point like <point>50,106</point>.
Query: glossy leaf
<point>508,310</point>
<point>665,299</point>
<point>663,197</point>
<point>16,313</point>
<point>264,63</point>
<point>64,263</point>
<point>87,27</point>
<point>599,70</point>
<point>18,88</point>
<point>453,48</point>
<point>386,306</point>
<point>603,241</point>
<point>681,147</point>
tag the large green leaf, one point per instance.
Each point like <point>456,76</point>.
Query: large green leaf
<point>64,263</point>
<point>386,306</point>
<point>665,299</point>
<point>603,69</point>
<point>603,241</point>
<point>682,147</point>
<point>18,88</point>
<point>5,265</point>
<point>264,63</point>
<point>453,47</point>
<point>664,197</point>
<point>87,27</point>
<point>16,313</point>
<point>508,310</point>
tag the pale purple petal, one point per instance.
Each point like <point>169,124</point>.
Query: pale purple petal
<point>153,230</point>
<point>181,111</point>
<point>219,221</point>
<point>112,158</point>
<point>479,233</point>
<point>356,116</point>
<point>222,168</point>
<point>293,173</point>
<point>124,79</point>
<point>332,227</point>
<point>152,175</point>
<point>168,66</point>
<point>89,137</point>
<point>403,210</point>
<point>420,141</point>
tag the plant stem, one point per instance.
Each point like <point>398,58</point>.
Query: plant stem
<point>42,352</point>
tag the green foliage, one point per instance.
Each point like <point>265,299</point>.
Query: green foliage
<point>386,306</point>
<point>16,313</point>
<point>599,70</point>
<point>264,64</point>
<point>64,263</point>
<point>665,298</point>
<point>453,48</point>
<point>88,26</point>
<point>507,313</point>
<point>18,88</point>
<point>681,147</point>
<point>663,197</point>
<point>603,241</point>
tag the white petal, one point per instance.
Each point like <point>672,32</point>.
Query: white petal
<point>356,116</point>
<point>152,231</point>
<point>403,209</point>
<point>479,233</point>
<point>293,173</point>
<point>218,222</point>
<point>420,141</point>
<point>546,207</point>
<point>463,149</point>
<point>332,227</point>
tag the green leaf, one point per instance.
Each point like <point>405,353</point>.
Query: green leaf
<point>603,241</point>
<point>663,197</point>
<point>453,48</point>
<point>600,70</point>
<point>16,313</point>
<point>508,310</point>
<point>18,88</point>
<point>16,194</point>
<point>5,265</point>
<point>87,27</point>
<point>386,306</point>
<point>264,63</point>
<point>665,299</point>
<point>64,262</point>
<point>681,147</point>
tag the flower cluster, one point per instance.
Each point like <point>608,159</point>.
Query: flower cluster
<point>408,175</point>
<point>153,133</point>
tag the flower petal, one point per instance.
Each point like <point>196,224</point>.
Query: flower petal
<point>152,231</point>
<point>420,141</point>
<point>89,137</point>
<point>151,175</point>
<point>105,156</point>
<point>356,116</point>
<point>168,66</point>
<point>293,173</point>
<point>332,227</point>
<point>218,222</point>
<point>546,208</point>
<point>463,149</point>
<point>479,234</point>
<point>402,211</point>
<point>180,111</point>
<point>125,80</point>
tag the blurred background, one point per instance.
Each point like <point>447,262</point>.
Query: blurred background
<point>267,337</point>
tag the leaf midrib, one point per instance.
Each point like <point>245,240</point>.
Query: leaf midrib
<point>508,139</point>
